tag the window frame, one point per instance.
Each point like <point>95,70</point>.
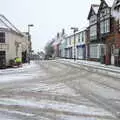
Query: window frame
<point>2,37</point>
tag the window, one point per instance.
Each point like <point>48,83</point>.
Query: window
<point>93,32</point>
<point>2,37</point>
<point>84,36</point>
<point>69,42</point>
<point>93,19</point>
<point>93,51</point>
<point>105,26</point>
<point>79,37</point>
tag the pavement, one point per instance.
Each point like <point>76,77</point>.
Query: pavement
<point>58,90</point>
<point>92,66</point>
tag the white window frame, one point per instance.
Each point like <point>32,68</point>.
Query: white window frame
<point>105,26</point>
<point>93,32</point>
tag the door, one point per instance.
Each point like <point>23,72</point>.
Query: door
<point>2,59</point>
<point>112,55</point>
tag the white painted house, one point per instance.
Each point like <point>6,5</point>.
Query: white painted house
<point>13,43</point>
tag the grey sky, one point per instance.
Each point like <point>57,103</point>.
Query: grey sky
<point>48,16</point>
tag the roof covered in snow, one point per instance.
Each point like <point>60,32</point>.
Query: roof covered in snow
<point>115,12</point>
<point>109,2</point>
<point>95,8</point>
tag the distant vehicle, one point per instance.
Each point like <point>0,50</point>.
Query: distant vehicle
<point>48,57</point>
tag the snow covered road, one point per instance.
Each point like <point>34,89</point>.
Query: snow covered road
<point>50,90</point>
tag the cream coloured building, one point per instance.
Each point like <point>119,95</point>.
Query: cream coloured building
<point>12,44</point>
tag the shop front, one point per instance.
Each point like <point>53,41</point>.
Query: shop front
<point>81,52</point>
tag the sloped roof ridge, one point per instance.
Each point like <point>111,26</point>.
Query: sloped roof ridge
<point>109,2</point>
<point>95,5</point>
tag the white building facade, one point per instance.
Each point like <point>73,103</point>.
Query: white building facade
<point>80,45</point>
<point>75,45</point>
<point>12,44</point>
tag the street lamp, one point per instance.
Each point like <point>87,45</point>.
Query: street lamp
<point>74,31</point>
<point>29,25</point>
<point>29,39</point>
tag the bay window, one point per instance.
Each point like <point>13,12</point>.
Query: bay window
<point>93,32</point>
<point>105,26</point>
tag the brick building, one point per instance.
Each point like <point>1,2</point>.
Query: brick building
<point>116,34</point>
<point>101,32</point>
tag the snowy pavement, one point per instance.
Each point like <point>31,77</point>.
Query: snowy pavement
<point>50,90</point>
<point>23,73</point>
<point>92,66</point>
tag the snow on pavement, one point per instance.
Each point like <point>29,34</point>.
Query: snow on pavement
<point>93,64</point>
<point>26,72</point>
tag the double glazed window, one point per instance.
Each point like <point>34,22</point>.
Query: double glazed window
<point>105,26</point>
<point>2,37</point>
<point>93,32</point>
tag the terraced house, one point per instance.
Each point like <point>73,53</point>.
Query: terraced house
<point>80,44</point>
<point>94,43</point>
<point>116,34</point>
<point>80,47</point>
<point>101,27</point>
<point>106,29</point>
<point>100,41</point>
<point>13,43</point>
<point>69,47</point>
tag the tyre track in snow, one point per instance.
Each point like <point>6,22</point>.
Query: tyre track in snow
<point>57,75</point>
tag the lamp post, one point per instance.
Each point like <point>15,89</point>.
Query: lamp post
<point>29,39</point>
<point>74,31</point>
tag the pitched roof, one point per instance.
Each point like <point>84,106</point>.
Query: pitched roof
<point>115,13</point>
<point>94,8</point>
<point>116,3</point>
<point>109,2</point>
<point>6,24</point>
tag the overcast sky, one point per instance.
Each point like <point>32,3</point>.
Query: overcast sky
<point>48,16</point>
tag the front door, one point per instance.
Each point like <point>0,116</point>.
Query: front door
<point>2,59</point>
